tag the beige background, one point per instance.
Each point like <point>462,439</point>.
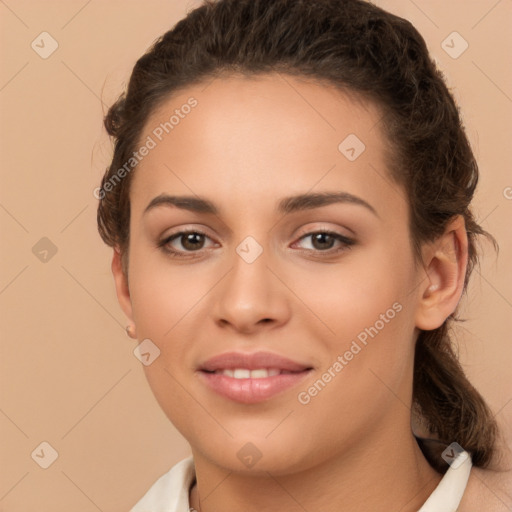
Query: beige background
<point>68,373</point>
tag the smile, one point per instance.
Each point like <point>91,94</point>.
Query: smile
<point>250,378</point>
<point>244,373</point>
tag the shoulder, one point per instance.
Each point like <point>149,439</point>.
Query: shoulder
<point>487,491</point>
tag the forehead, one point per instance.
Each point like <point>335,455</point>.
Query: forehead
<point>261,135</point>
<point>265,104</point>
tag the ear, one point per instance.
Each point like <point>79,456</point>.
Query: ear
<point>121,283</point>
<point>445,263</point>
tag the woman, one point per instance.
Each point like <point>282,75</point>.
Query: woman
<point>288,204</point>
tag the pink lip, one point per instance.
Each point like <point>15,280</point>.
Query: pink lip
<point>251,390</point>
<point>252,362</point>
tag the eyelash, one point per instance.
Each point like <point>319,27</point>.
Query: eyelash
<point>347,243</point>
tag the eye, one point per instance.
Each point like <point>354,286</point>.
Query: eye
<point>179,244</point>
<point>184,243</point>
<point>325,241</point>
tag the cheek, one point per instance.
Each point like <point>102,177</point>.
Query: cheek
<point>363,291</point>
<point>162,295</point>
<point>367,306</point>
<point>368,369</point>
<point>163,299</point>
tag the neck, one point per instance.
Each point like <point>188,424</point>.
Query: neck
<point>386,474</point>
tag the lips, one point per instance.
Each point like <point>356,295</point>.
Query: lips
<point>251,378</point>
<point>233,360</point>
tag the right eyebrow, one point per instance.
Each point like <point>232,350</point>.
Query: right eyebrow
<point>194,204</point>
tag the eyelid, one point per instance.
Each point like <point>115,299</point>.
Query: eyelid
<point>180,230</point>
<point>325,229</point>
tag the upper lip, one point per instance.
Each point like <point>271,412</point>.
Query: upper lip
<point>252,361</point>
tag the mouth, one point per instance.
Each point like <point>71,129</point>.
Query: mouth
<point>252,378</point>
<point>245,373</point>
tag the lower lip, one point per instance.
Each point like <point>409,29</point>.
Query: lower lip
<point>252,391</point>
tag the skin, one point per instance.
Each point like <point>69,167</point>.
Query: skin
<point>248,144</point>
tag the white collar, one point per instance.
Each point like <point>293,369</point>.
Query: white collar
<point>170,493</point>
<point>448,494</point>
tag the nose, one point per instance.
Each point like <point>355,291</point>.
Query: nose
<point>251,298</point>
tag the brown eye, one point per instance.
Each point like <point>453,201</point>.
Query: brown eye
<point>322,241</point>
<point>192,241</point>
<point>325,242</point>
<point>184,243</point>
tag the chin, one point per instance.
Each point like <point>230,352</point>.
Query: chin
<point>256,455</point>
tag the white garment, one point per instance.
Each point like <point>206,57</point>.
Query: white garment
<point>170,493</point>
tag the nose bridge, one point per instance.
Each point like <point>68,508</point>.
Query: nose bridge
<point>249,281</point>
<point>250,293</point>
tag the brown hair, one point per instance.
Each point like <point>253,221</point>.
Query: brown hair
<point>359,48</point>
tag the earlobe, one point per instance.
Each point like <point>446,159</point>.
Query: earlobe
<point>445,266</point>
<point>121,284</point>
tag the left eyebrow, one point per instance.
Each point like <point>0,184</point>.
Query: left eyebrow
<point>317,200</point>
<point>286,206</point>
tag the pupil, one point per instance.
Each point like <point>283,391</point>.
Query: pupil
<point>322,238</point>
<point>192,241</point>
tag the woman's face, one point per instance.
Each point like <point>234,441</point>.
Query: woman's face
<point>327,283</point>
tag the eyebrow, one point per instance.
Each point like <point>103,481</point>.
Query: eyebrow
<point>286,206</point>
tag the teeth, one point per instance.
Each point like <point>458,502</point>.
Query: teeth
<point>259,374</point>
<point>244,373</point>
<point>241,374</point>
